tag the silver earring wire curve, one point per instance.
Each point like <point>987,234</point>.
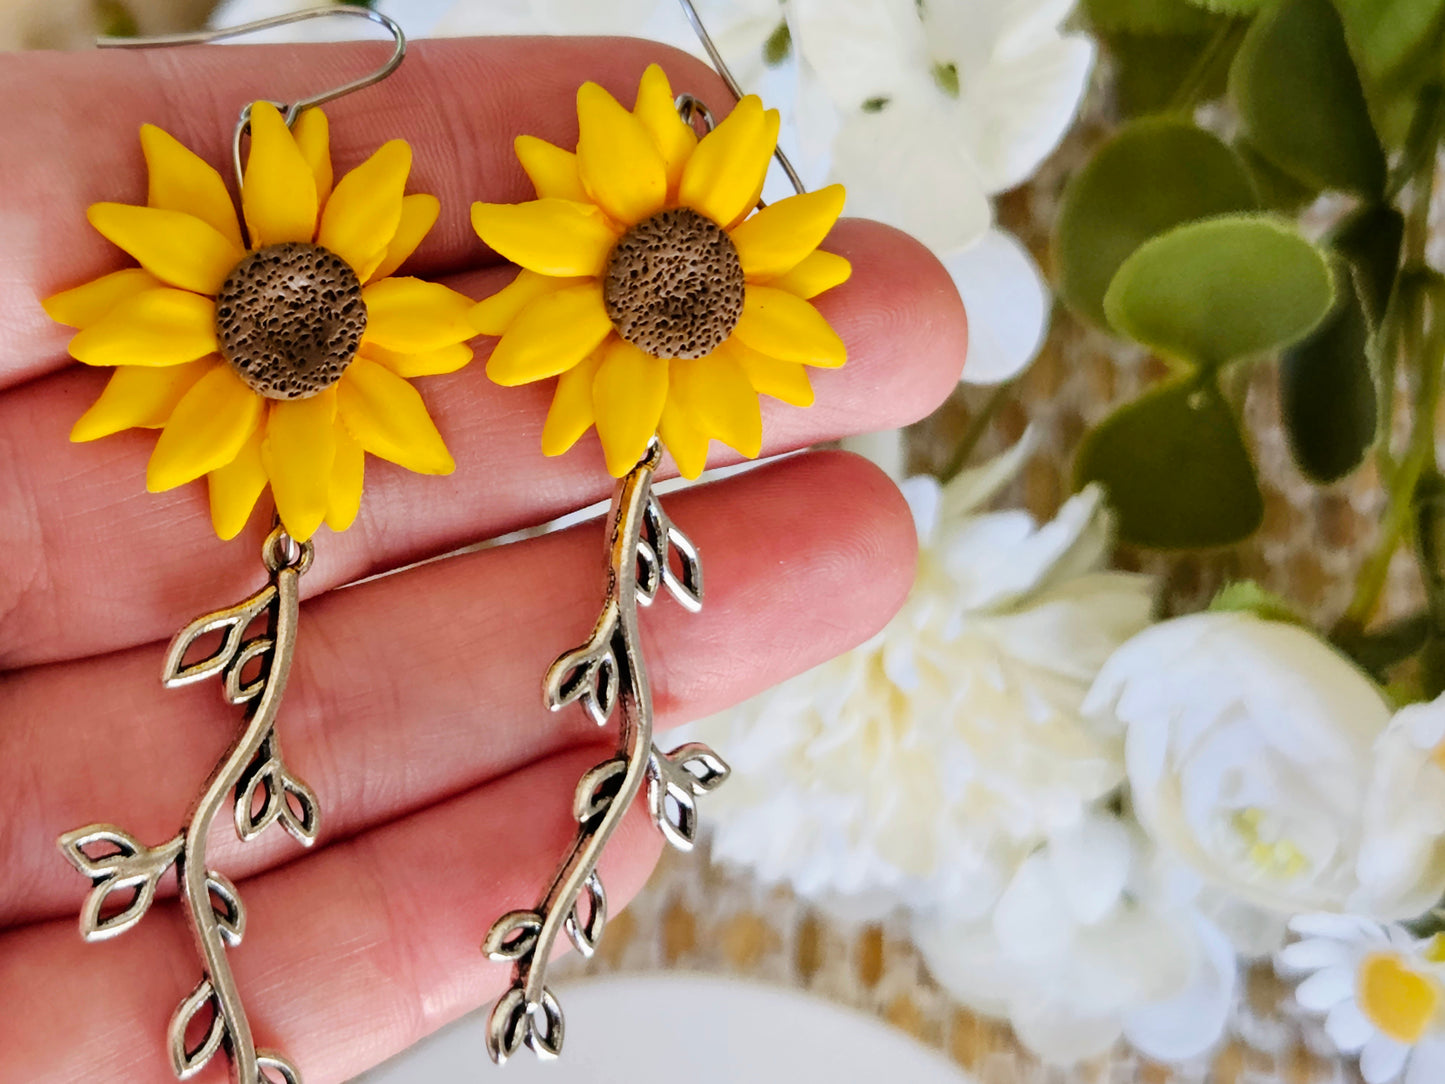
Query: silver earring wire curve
<point>690,10</point>
<point>295,109</point>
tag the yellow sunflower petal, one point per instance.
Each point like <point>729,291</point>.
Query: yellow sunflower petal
<point>683,438</point>
<point>278,194</point>
<point>550,236</point>
<point>180,180</point>
<point>784,380</point>
<point>363,213</point>
<point>571,412</point>
<point>493,315</point>
<point>236,487</point>
<point>418,215</point>
<point>207,430</point>
<point>620,166</point>
<point>138,397</point>
<point>90,303</point>
<point>627,396</point>
<point>158,327</point>
<point>432,363</point>
<point>781,235</point>
<point>299,450</point>
<point>312,132</point>
<point>726,171</point>
<point>550,335</point>
<point>348,473</point>
<point>818,272</point>
<point>174,247</point>
<point>783,325</point>
<point>413,317</point>
<point>388,418</point>
<point>673,138</point>
<point>772,120</point>
<point>715,392</point>
<point>552,170</point>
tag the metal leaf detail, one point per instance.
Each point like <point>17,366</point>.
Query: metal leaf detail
<point>130,867</point>
<point>587,673</point>
<point>234,621</point>
<point>674,781</point>
<point>187,1062</point>
<point>659,539</point>
<point>282,797</point>
<point>586,933</point>
<point>597,789</point>
<point>515,1023</point>
<point>512,936</point>
<point>272,1067</point>
<point>226,905</point>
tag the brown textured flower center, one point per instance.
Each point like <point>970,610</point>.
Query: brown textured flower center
<point>289,319</point>
<point>674,285</point>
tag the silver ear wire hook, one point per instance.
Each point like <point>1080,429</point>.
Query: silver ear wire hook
<point>689,105</point>
<point>295,109</point>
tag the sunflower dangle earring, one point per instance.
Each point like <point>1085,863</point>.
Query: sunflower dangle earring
<point>271,350</point>
<point>664,306</point>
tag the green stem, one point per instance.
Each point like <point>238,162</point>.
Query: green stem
<point>1415,329</point>
<point>977,426</point>
<point>1219,50</point>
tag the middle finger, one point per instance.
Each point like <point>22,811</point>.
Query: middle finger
<point>420,685</point>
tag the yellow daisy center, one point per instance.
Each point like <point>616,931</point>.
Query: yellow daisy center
<point>1398,1001</point>
<point>673,285</point>
<point>289,319</point>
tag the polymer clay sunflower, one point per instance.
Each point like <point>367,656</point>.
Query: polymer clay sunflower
<point>282,362</point>
<point>650,288</point>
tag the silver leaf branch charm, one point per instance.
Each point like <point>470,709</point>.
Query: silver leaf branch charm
<point>252,778</point>
<point>606,675</point>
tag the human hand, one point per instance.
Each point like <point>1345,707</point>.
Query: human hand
<point>414,708</point>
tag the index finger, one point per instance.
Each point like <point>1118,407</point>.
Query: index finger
<point>459,104</point>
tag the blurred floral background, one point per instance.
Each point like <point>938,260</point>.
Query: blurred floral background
<point>1147,779</point>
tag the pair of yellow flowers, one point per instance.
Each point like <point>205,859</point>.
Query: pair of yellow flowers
<point>648,286</point>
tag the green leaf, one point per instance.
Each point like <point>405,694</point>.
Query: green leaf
<point>1397,46</point>
<point>1301,102</point>
<point>1150,69</point>
<point>1153,175</point>
<point>1247,596</point>
<point>1327,395</point>
<point>1209,292</point>
<point>1147,17</point>
<point>1277,190</point>
<point>1175,468</point>
<point>1370,239</point>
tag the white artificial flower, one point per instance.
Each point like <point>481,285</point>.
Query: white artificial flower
<point>957,100</point>
<point>1085,946</point>
<point>1404,845</point>
<point>1379,989</point>
<point>920,769</point>
<point>1250,748</point>
<point>943,105</point>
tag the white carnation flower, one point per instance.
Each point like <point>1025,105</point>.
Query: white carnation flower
<point>1087,945</point>
<point>921,768</point>
<point>1251,749</point>
<point>1379,989</point>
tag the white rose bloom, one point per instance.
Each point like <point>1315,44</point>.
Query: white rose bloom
<point>1087,945</point>
<point>921,768</point>
<point>1404,850</point>
<point>1250,746</point>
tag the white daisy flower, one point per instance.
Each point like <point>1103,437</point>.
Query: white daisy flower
<point>1379,989</point>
